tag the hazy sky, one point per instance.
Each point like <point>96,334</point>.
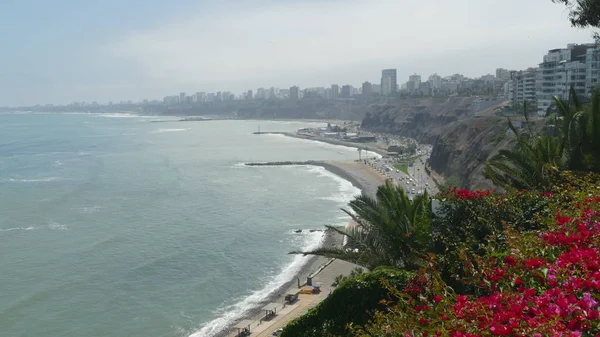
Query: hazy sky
<point>63,50</point>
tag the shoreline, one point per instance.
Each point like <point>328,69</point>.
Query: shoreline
<point>360,176</point>
<point>313,263</point>
<point>365,146</point>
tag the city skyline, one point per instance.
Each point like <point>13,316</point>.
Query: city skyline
<point>115,51</point>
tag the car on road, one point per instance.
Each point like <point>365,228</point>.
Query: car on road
<point>277,332</point>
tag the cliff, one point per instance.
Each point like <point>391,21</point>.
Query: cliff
<point>462,147</point>
<point>423,118</point>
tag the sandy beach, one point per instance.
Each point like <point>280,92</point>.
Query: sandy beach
<point>364,178</point>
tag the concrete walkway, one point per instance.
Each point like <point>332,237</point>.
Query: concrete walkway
<point>305,302</point>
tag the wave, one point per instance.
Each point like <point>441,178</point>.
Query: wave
<point>239,310</point>
<point>51,225</point>
<point>169,130</point>
<point>118,115</point>
<point>30,228</point>
<point>40,180</point>
<point>88,209</point>
<point>56,226</point>
<point>346,191</point>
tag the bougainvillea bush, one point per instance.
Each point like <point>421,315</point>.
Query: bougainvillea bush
<point>537,274</point>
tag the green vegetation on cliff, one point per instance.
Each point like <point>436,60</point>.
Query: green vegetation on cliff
<point>354,301</point>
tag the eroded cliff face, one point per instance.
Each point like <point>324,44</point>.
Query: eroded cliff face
<point>462,147</point>
<point>423,118</point>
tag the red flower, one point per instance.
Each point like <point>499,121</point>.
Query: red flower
<point>437,298</point>
<point>509,260</point>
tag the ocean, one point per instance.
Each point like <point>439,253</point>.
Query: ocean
<point>120,225</point>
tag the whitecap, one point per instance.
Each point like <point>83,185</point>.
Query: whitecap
<point>56,226</point>
<point>117,115</point>
<point>40,180</point>
<point>88,209</point>
<point>346,191</point>
<point>169,130</point>
<point>30,228</point>
<point>235,312</point>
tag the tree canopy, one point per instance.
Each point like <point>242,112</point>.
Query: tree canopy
<point>583,13</point>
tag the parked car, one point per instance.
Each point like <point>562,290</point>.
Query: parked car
<point>277,332</point>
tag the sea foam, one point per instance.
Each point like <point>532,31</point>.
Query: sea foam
<point>237,311</point>
<point>346,191</point>
<point>169,130</point>
<point>40,180</point>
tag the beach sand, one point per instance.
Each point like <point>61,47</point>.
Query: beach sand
<point>360,175</point>
<point>364,178</point>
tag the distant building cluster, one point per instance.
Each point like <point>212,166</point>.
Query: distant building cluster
<point>577,67</point>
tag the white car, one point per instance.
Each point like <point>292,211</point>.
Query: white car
<point>277,332</point>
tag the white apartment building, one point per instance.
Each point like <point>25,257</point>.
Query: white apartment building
<point>435,81</point>
<point>522,87</point>
<point>576,66</point>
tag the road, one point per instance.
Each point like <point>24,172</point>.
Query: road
<point>416,181</point>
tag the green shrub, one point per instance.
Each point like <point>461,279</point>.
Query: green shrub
<point>354,301</point>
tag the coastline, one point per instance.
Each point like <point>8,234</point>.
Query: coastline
<point>359,175</point>
<point>313,264</point>
<point>365,146</point>
<point>362,177</point>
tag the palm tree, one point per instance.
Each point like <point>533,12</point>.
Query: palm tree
<point>391,230</point>
<point>580,138</point>
<point>575,146</point>
<point>526,166</point>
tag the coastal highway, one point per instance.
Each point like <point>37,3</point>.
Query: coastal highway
<point>419,179</point>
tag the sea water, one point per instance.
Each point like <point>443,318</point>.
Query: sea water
<point>147,226</point>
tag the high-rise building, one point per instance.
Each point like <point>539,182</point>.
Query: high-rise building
<point>425,88</point>
<point>367,88</point>
<point>335,91</point>
<point>573,67</point>
<point>502,74</point>
<point>522,88</point>
<point>249,95</point>
<point>273,93</point>
<point>346,91</point>
<point>260,93</point>
<point>393,84</point>
<point>294,93</point>
<point>435,81</point>
<point>182,97</point>
<point>171,100</point>
<point>386,86</point>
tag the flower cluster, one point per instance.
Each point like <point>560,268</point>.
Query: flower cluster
<point>468,194</point>
<point>548,287</point>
